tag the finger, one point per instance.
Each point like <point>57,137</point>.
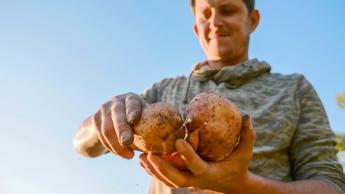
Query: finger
<point>110,137</point>
<point>123,129</point>
<point>193,139</point>
<point>133,108</point>
<point>150,170</point>
<point>248,137</point>
<point>194,163</point>
<point>144,166</point>
<point>176,160</point>
<point>170,173</point>
<point>97,125</point>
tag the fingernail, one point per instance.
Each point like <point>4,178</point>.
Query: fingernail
<point>131,118</point>
<point>126,138</point>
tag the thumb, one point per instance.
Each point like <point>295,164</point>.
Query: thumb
<point>194,163</point>
<point>247,138</point>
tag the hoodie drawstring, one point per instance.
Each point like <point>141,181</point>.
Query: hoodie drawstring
<point>195,68</point>
<point>187,89</point>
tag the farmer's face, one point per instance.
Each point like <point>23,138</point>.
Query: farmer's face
<point>223,28</point>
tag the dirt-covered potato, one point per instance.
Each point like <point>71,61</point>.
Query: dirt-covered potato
<point>158,128</point>
<point>214,124</point>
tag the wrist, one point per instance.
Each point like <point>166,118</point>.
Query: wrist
<point>244,184</point>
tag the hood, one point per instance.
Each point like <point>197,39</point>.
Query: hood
<point>231,76</point>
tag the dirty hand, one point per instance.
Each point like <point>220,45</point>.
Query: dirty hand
<point>113,120</point>
<point>224,176</point>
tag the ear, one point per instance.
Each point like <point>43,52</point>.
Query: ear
<point>196,31</point>
<point>254,20</point>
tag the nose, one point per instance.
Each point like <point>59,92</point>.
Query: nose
<point>215,19</point>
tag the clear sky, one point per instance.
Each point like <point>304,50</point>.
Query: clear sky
<point>60,60</point>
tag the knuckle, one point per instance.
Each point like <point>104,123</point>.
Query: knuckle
<point>117,104</point>
<point>103,107</point>
<point>130,100</point>
<point>131,96</point>
<point>116,98</point>
<point>113,108</point>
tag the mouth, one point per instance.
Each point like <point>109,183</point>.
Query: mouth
<point>216,35</point>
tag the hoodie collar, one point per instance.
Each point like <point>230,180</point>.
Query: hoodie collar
<point>232,76</point>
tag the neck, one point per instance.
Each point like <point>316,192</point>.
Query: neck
<point>219,64</point>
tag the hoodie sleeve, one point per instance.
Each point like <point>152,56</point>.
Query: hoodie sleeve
<point>312,151</point>
<point>165,90</point>
<point>150,95</point>
<point>154,93</point>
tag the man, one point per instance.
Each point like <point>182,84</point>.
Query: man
<point>294,145</point>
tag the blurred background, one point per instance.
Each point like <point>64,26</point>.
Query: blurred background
<point>60,60</point>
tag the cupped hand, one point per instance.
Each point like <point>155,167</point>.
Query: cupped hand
<point>224,176</point>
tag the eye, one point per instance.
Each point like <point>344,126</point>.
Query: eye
<point>227,11</point>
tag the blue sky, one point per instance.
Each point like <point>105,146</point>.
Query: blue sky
<point>60,60</point>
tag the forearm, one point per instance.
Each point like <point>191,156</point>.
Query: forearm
<point>86,140</point>
<point>259,185</point>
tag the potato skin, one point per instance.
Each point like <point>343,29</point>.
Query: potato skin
<point>158,128</point>
<point>214,124</point>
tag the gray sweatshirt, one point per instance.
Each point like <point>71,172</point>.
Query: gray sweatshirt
<point>294,139</point>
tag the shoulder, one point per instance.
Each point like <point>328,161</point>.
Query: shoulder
<point>295,77</point>
<point>166,86</point>
<point>295,80</point>
<point>167,82</point>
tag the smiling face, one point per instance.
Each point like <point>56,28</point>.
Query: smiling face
<point>223,28</point>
